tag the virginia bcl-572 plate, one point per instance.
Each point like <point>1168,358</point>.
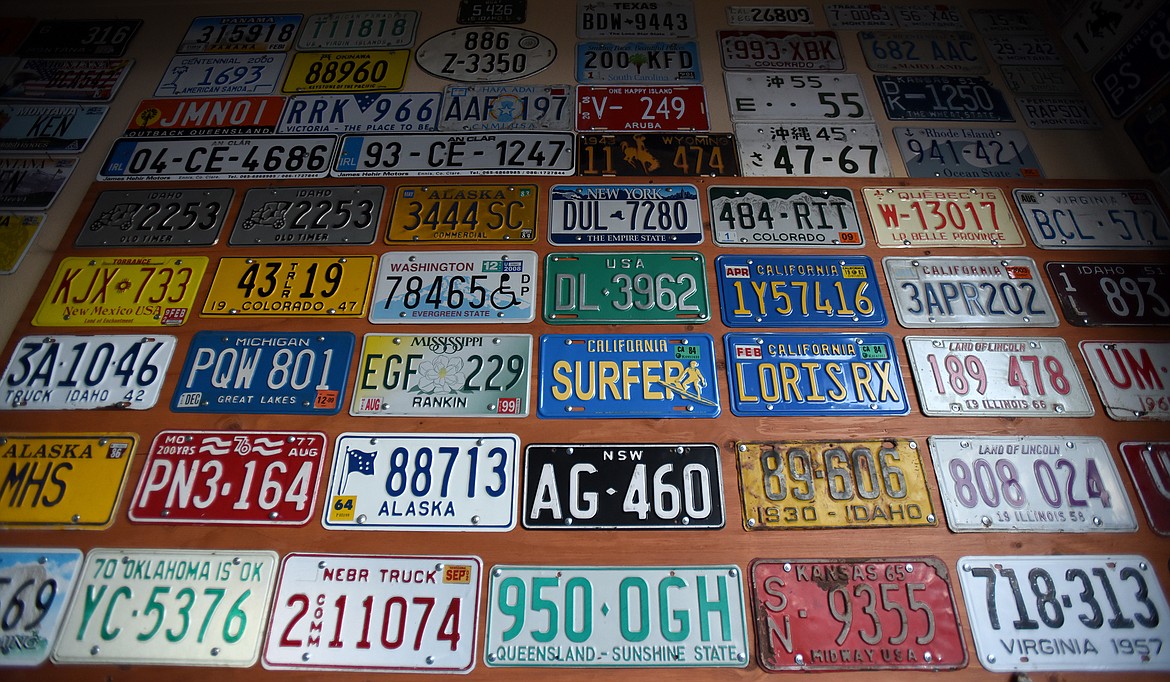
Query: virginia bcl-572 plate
<point>941,216</point>
<point>781,216</point>
<point>308,215</point>
<point>121,292</point>
<point>37,583</point>
<point>455,286</point>
<point>1132,378</point>
<point>625,287</point>
<point>582,215</point>
<point>799,291</point>
<point>1093,218</point>
<point>987,291</point>
<point>162,217</point>
<point>1094,294</point>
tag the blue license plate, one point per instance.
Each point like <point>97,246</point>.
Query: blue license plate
<point>265,373</point>
<point>799,291</point>
<point>942,98</point>
<point>1138,66</point>
<point>631,376</point>
<point>784,374</point>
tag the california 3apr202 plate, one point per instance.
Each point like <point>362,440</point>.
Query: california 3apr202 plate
<point>799,291</point>
<point>455,286</point>
<point>783,216</point>
<point>1122,294</point>
<point>984,291</point>
<point>44,576</point>
<point>1132,378</point>
<point>624,214</point>
<point>625,287</point>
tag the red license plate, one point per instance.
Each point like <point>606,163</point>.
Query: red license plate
<point>642,108</point>
<point>1149,465</point>
<point>240,477</point>
<point>855,614</point>
<point>179,116</point>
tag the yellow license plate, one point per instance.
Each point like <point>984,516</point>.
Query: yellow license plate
<point>823,484</point>
<point>16,234</point>
<point>941,216</point>
<point>121,292</point>
<point>377,70</point>
<point>63,481</point>
<point>464,213</point>
<point>290,287</point>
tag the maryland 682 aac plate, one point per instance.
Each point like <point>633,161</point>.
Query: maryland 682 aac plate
<point>799,291</point>
<point>953,291</point>
<point>624,214</point>
<point>1132,378</point>
<point>455,286</point>
<point>783,216</point>
<point>950,52</point>
<point>219,158</point>
<point>147,217</point>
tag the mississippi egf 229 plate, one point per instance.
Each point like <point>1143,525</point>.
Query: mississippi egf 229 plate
<point>616,287</point>
<point>308,215</point>
<point>987,291</point>
<point>941,216</point>
<point>121,292</point>
<point>43,576</point>
<point>1093,218</point>
<point>966,153</point>
<point>581,215</point>
<point>1131,377</point>
<point>799,291</point>
<point>455,286</point>
<point>463,213</point>
<point>782,216</point>
<point>1096,294</point>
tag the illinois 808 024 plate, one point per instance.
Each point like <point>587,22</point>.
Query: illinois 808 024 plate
<point>953,291</point>
<point>624,214</point>
<point>941,216</point>
<point>799,291</point>
<point>455,286</point>
<point>801,149</point>
<point>1132,377</point>
<point>783,216</point>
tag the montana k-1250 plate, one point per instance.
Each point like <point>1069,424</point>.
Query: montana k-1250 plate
<point>661,18</point>
<point>780,51</point>
<point>202,115</point>
<point>686,617</point>
<point>950,52</point>
<point>455,286</point>
<point>1132,378</point>
<point>638,62</point>
<point>227,74</point>
<point>958,292</point>
<point>241,33</point>
<point>367,112</point>
<point>78,80</point>
<point>1041,484</point>
<point>966,153</point>
<point>264,373</point>
<point>236,477</point>
<point>47,574</point>
<point>61,481</point>
<point>798,149</point>
<point>620,287</point>
<point>783,216</point>
<point>463,213</point>
<point>627,376</point>
<point>653,154</point>
<point>580,487</point>
<point>219,158</point>
<point>798,374</point>
<point>1093,218</point>
<point>33,183</point>
<point>631,107</point>
<point>84,38</point>
<point>368,30</point>
<point>423,481</point>
<point>799,291</point>
<point>48,127</point>
<point>121,292</point>
<point>308,215</point>
<point>485,54</point>
<point>156,217</point>
<point>996,377</point>
<point>942,98</point>
<point>1122,294</point>
<point>470,108</point>
<point>941,216</point>
<point>1149,465</point>
<point>796,96</point>
<point>823,484</point>
<point>290,287</point>
<point>372,71</point>
<point>508,153</point>
<point>580,215</point>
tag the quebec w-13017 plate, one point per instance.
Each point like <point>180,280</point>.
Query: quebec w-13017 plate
<point>941,216</point>
<point>1132,377</point>
<point>784,216</point>
<point>184,216</point>
<point>44,575</point>
<point>308,215</point>
<point>1094,294</point>
<point>966,153</point>
<point>1093,218</point>
<point>455,286</point>
<point>953,291</point>
<point>583,215</point>
<point>121,292</point>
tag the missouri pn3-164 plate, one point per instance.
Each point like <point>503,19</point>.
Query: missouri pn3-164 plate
<point>950,52</point>
<point>369,71</point>
<point>364,112</point>
<point>1093,218</point>
<point>463,213</point>
<point>780,51</point>
<point>1122,294</point>
<point>782,216</point>
<point>308,215</point>
<point>470,108</point>
<point>368,30</point>
<point>620,287</point>
<point>241,33</point>
<point>942,98</point>
<point>632,107</point>
<point>308,286</point>
<point>611,63</point>
<point>485,54</point>
<point>506,153</point>
<point>824,484</point>
<point>455,286</point>
<point>156,217</point>
<point>229,74</point>
<point>582,215</point>
<point>1149,465</point>
<point>966,153</point>
<point>48,575</point>
<point>941,216</point>
<point>189,116</point>
<point>121,292</point>
<point>63,481</point>
<point>609,19</point>
<point>48,128</point>
<point>219,158</point>
<point>799,291</point>
<point>958,292</point>
<point>798,149</point>
<point>654,154</point>
<point>826,97</point>
<point>1132,378</point>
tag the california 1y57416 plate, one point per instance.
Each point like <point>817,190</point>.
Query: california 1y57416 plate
<point>455,286</point>
<point>241,33</point>
<point>800,149</point>
<point>463,213</point>
<point>661,18</point>
<point>308,286</point>
<point>780,51</point>
<point>663,617</point>
<point>423,481</point>
<point>370,71</point>
<point>309,215</point>
<point>33,182</point>
<point>966,153</point>
<point>183,116</point>
<point>1149,465</point>
<point>942,98</point>
<point>147,217</point>
<point>1094,294</point>
<point>941,216</point>
<point>950,52</point>
<point>953,291</point>
<point>485,54</point>
<point>621,287</point>
<point>121,292</point>
<point>506,107</point>
<point>780,216</point>
<point>443,375</point>
<point>1132,378</point>
<point>638,62</point>
<point>431,602</point>
<point>219,158</point>
<point>228,74</point>
<point>1093,218</point>
<point>37,583</point>
<point>507,153</point>
<point>580,487</point>
<point>168,607</point>
<point>1065,612</point>
<point>369,30</point>
<point>629,107</point>
<point>796,96</point>
<point>63,480</point>
<point>822,484</point>
<point>624,214</point>
<point>996,377</point>
<point>374,112</point>
<point>1062,484</point>
<point>245,477</point>
<point>824,615</point>
<point>799,291</point>
<point>796,374</point>
<point>48,128</point>
<point>652,154</point>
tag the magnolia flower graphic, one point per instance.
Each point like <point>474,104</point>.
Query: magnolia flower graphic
<point>443,374</point>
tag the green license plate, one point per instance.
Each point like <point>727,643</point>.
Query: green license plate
<point>625,286</point>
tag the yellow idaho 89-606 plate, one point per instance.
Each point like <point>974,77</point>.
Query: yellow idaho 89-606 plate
<point>833,484</point>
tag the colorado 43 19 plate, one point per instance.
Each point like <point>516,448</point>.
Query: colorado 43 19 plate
<point>799,291</point>
<point>290,287</point>
<point>941,216</point>
<point>463,213</point>
<point>1093,294</point>
<point>1132,378</point>
<point>1093,218</point>
<point>44,576</point>
<point>782,216</point>
<point>121,292</point>
<point>952,291</point>
<point>455,286</point>
<point>624,214</point>
<point>625,287</point>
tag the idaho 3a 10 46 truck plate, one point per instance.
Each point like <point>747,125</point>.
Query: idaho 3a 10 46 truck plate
<point>624,214</point>
<point>455,286</point>
<point>783,216</point>
<point>953,291</point>
<point>799,291</point>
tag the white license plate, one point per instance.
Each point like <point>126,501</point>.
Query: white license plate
<point>308,215</point>
<point>602,19</point>
<point>448,154</point>
<point>86,372</point>
<point>932,17</point>
<point>1017,50</point>
<point>1039,80</point>
<point>801,149</point>
<point>997,377</point>
<point>168,607</point>
<point>219,158</point>
<point>769,15</point>
<point>1098,27</point>
<point>959,292</point>
<point>954,53</point>
<point>1036,484</point>
<point>941,216</point>
<point>859,15</point>
<point>1132,378</point>
<point>470,108</point>
<point>966,153</point>
<point>229,74</point>
<point>369,606</point>
<point>1006,21</point>
<point>580,215</point>
<point>784,216</point>
<point>381,112</point>
<point>1058,113</point>
<point>371,30</point>
<point>485,54</point>
<point>1080,612</point>
<point>796,96</point>
<point>780,51</point>
<point>616,616</point>
<point>35,584</point>
<point>455,286</point>
<point>421,481</point>
<point>241,33</point>
<point>1093,218</point>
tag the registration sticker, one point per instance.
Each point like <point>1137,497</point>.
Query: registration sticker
<point>1039,80</point>
<point>800,96</point>
<point>463,213</point>
<point>372,71</point>
<point>121,292</point>
<point>949,52</point>
<point>45,577</point>
<point>618,287</point>
<point>1131,378</point>
<point>1093,218</point>
<point>627,107</point>
<point>309,215</point>
<point>601,63</point>
<point>506,153</point>
<point>33,183</point>
<point>780,51</point>
<point>770,15</point>
<point>1121,294</point>
<point>967,153</point>
<point>454,286</point>
<point>942,98</point>
<point>368,30</point>
<point>17,231</point>
<point>485,54</point>
<point>85,38</point>
<point>148,217</point>
<point>1137,68</point>
<point>1149,465</point>
<point>803,149</point>
<point>609,19</point>
<point>762,291</point>
<point>468,108</point>
<point>219,158</point>
<point>1058,113</point>
<point>654,154</point>
<point>941,216</point>
<point>80,80</point>
<point>308,286</point>
<point>859,15</point>
<point>241,33</point>
<point>960,292</point>
<point>375,112</point>
<point>781,216</point>
<point>229,74</point>
<point>183,116</point>
<point>624,214</point>
<point>48,127</point>
<point>64,481</point>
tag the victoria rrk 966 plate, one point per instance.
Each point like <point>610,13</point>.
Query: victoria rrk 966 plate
<point>799,291</point>
<point>952,291</point>
<point>624,214</point>
<point>149,217</point>
<point>308,215</point>
<point>1094,294</point>
<point>782,216</point>
<point>455,286</point>
<point>362,112</point>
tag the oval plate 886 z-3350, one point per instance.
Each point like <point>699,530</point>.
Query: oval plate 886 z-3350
<point>485,54</point>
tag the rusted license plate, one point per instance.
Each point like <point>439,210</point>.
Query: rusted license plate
<point>1094,294</point>
<point>1149,465</point>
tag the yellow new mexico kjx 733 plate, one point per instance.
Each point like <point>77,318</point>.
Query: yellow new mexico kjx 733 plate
<point>124,291</point>
<point>335,286</point>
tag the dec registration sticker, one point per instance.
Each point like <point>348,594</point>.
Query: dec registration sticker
<point>121,292</point>
<point>290,287</point>
<point>1132,378</point>
<point>784,216</point>
<point>37,582</point>
<point>941,216</point>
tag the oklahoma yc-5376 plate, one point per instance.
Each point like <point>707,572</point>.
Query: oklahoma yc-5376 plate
<point>121,292</point>
<point>149,217</point>
<point>799,291</point>
<point>1132,377</point>
<point>953,291</point>
<point>1093,218</point>
<point>506,153</point>
<point>463,213</point>
<point>784,216</point>
<point>308,286</point>
<point>941,216</point>
<point>626,287</point>
<point>45,577</point>
<point>455,286</point>
<point>624,214</point>
<point>219,158</point>
<point>1094,294</point>
<point>308,215</point>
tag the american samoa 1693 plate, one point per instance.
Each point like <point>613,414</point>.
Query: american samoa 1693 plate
<point>227,74</point>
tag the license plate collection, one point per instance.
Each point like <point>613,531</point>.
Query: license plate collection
<point>414,195</point>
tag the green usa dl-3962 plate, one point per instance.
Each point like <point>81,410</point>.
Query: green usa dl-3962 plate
<point>625,286</point>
